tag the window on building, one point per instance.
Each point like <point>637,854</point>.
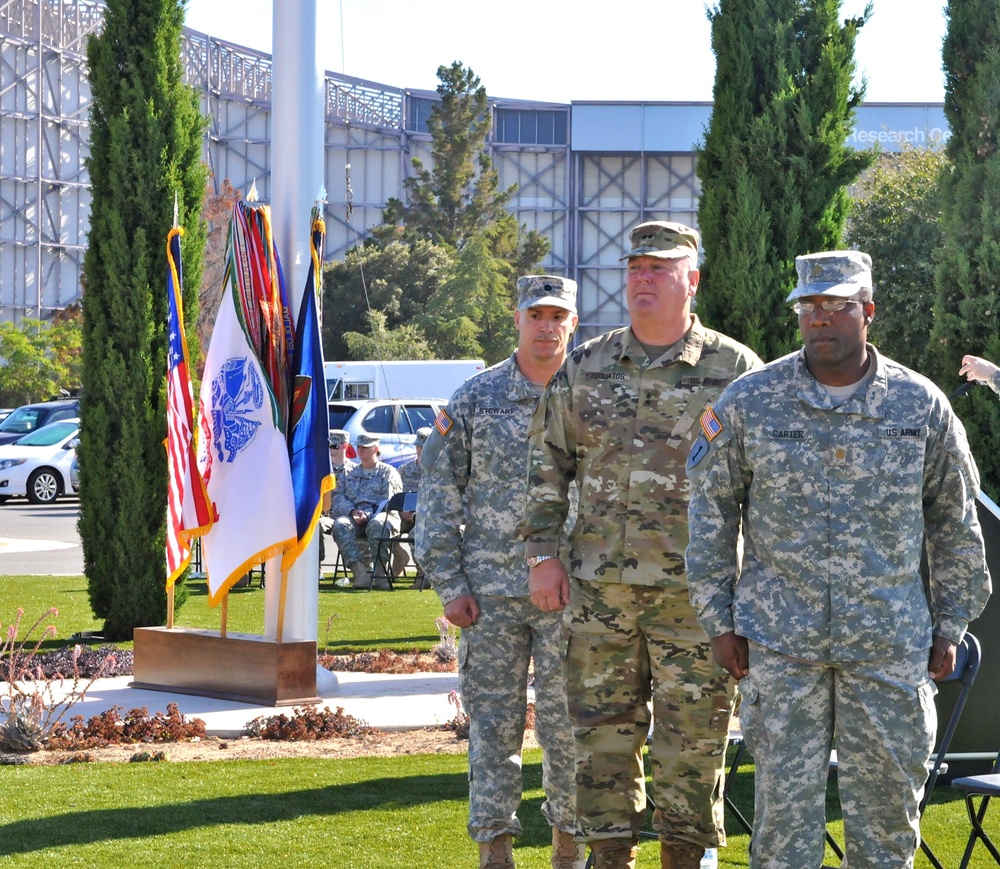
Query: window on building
<point>527,127</point>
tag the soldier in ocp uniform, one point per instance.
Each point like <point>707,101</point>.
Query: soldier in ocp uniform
<point>356,501</point>
<point>474,466</point>
<point>838,464</point>
<point>619,418</point>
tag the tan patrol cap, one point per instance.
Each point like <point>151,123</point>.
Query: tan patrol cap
<point>662,239</point>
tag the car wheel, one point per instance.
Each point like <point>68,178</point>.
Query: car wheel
<point>43,486</point>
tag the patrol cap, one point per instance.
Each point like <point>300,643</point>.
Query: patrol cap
<point>368,440</point>
<point>662,239</point>
<point>840,273</point>
<point>339,437</point>
<point>423,433</point>
<point>535,290</point>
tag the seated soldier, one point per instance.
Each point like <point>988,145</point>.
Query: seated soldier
<point>363,491</point>
<point>340,465</point>
<point>410,475</point>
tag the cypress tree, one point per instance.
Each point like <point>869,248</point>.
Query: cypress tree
<point>774,166</point>
<point>967,277</point>
<point>146,140</point>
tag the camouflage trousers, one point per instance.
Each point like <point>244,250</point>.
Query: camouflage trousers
<point>633,649</point>
<point>885,722</point>
<point>493,659</point>
<point>347,535</point>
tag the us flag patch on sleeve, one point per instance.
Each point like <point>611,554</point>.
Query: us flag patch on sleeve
<point>443,423</point>
<point>710,425</point>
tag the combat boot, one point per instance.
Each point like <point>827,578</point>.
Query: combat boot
<point>613,853</point>
<point>497,853</point>
<point>566,852</point>
<point>680,855</point>
<point>362,575</point>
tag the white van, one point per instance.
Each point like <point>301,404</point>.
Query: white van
<point>397,379</point>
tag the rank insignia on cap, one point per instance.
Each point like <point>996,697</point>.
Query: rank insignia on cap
<point>710,424</point>
<point>443,423</point>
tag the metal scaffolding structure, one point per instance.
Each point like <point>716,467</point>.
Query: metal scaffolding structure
<point>584,172</point>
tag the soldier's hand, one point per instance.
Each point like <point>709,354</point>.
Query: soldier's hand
<point>943,655</point>
<point>462,611</point>
<point>732,653</point>
<point>548,585</point>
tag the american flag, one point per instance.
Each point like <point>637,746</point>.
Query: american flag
<point>188,513</point>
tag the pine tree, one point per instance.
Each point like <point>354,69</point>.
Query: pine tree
<point>455,208</point>
<point>774,166</point>
<point>146,139</point>
<point>895,215</point>
<point>968,272</point>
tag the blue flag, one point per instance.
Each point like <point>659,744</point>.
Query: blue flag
<point>308,435</point>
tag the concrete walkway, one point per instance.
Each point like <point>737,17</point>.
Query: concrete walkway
<point>388,702</point>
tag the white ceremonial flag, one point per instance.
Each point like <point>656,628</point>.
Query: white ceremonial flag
<point>243,458</point>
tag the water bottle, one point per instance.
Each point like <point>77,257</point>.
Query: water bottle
<point>710,860</point>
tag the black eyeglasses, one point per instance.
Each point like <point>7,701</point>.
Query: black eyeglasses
<point>828,305</point>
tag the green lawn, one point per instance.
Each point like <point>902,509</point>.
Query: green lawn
<point>349,620</point>
<point>364,813</point>
<point>367,813</point>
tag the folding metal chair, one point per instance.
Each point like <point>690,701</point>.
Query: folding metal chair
<point>986,787</point>
<point>399,503</point>
<point>968,659</point>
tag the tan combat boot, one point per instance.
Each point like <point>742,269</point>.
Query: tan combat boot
<point>362,575</point>
<point>613,853</point>
<point>680,855</point>
<point>497,853</point>
<point>566,852</point>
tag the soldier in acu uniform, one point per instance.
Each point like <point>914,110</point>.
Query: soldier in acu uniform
<point>619,417</point>
<point>838,465</point>
<point>409,473</point>
<point>474,466</point>
<point>356,502</point>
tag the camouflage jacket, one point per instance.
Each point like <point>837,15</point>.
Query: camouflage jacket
<point>835,501</point>
<point>621,426</point>
<point>365,489</point>
<point>410,475</point>
<point>338,476</point>
<point>474,467</point>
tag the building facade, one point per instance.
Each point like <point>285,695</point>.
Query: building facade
<point>584,171</point>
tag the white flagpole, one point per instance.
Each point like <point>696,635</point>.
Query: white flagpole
<point>298,109</point>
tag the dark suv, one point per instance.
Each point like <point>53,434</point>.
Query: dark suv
<point>31,416</point>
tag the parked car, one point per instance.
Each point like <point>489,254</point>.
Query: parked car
<point>5,412</point>
<point>395,421</point>
<point>30,417</point>
<point>38,465</point>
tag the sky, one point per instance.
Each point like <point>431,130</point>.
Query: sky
<point>549,51</point>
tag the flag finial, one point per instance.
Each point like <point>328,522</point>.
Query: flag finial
<point>253,195</point>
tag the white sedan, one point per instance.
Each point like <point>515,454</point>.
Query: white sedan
<point>38,465</point>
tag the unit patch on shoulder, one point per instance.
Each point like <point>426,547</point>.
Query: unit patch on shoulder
<point>443,423</point>
<point>710,425</point>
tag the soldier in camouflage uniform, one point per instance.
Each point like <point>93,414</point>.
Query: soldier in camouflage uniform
<point>340,465</point>
<point>837,464</point>
<point>474,469</point>
<point>619,418</point>
<point>409,473</point>
<point>977,369</point>
<point>356,501</point>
